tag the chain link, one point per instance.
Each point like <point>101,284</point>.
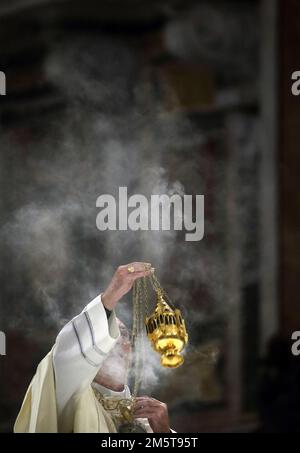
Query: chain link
<point>140,310</point>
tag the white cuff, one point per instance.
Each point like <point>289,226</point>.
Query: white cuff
<point>104,333</point>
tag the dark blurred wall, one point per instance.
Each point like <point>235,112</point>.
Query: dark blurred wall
<point>289,170</point>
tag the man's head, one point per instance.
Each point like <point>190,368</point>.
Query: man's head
<point>113,372</point>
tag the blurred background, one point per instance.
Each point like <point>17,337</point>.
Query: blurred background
<point>187,97</point>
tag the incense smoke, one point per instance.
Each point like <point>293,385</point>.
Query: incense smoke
<point>115,132</point>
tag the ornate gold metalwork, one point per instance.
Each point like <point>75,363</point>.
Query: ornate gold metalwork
<point>165,327</point>
<point>167,332</point>
<point>121,412</point>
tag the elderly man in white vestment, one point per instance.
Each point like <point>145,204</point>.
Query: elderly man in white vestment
<point>88,366</point>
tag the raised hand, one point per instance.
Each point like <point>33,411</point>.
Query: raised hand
<point>122,282</point>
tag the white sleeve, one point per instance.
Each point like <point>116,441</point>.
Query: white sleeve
<point>80,349</point>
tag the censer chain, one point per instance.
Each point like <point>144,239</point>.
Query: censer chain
<point>140,309</point>
<point>159,289</point>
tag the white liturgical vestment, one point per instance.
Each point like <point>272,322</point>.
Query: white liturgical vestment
<point>79,350</point>
<point>60,397</point>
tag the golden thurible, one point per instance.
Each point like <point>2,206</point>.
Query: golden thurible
<point>167,332</point>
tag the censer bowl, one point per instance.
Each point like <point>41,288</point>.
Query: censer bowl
<point>169,360</point>
<point>169,349</point>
